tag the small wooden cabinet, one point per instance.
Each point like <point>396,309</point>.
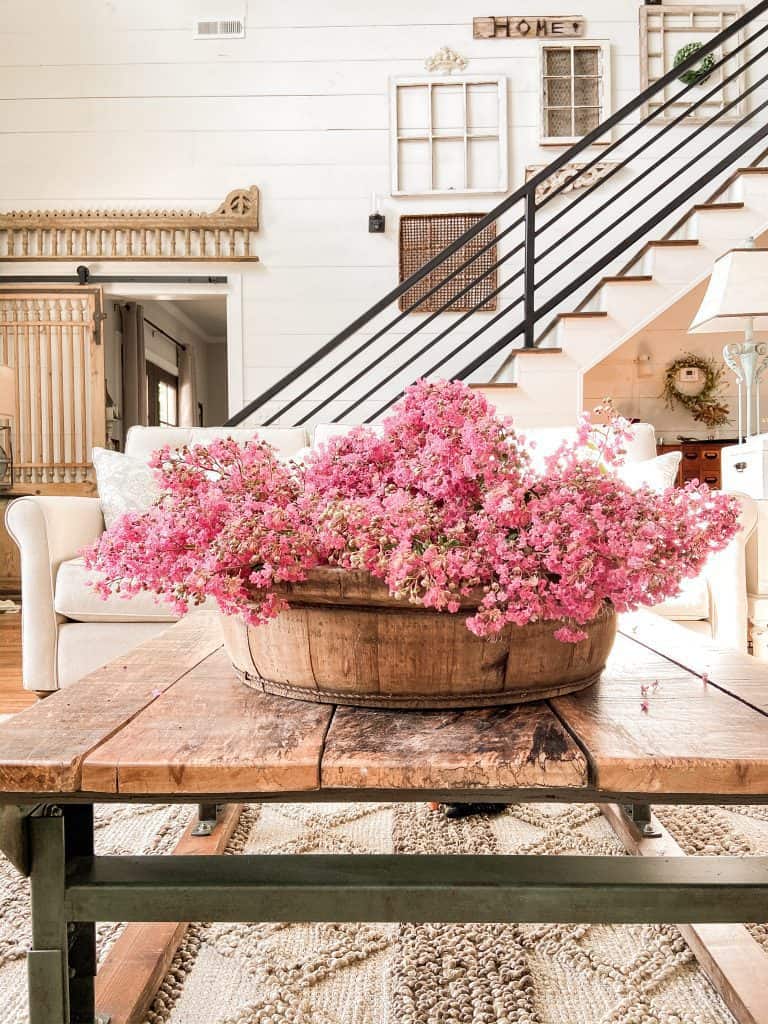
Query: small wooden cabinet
<point>700,461</point>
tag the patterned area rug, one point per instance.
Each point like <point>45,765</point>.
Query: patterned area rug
<point>407,974</point>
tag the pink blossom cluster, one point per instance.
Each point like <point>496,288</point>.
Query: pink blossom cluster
<point>441,504</point>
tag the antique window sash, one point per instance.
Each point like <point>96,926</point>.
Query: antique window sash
<point>564,92</point>
<point>448,136</point>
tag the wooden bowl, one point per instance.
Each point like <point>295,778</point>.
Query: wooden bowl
<point>345,640</point>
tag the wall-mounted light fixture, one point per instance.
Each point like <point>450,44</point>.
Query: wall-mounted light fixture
<point>376,222</point>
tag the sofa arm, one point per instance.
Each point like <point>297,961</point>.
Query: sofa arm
<point>48,531</point>
<point>726,576</point>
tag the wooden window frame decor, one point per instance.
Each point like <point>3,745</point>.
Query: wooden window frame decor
<point>604,103</point>
<point>685,24</point>
<point>226,235</point>
<point>424,235</point>
<point>431,134</point>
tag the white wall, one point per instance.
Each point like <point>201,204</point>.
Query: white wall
<point>112,103</point>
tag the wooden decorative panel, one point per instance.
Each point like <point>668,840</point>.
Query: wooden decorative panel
<point>227,234</point>
<point>423,236</point>
<point>664,29</point>
<point>52,340</point>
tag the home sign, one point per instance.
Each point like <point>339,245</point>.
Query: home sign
<point>524,26</point>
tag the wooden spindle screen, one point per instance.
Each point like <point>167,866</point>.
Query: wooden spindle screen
<point>50,339</point>
<point>227,234</point>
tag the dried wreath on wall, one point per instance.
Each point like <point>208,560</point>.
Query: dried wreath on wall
<point>706,406</point>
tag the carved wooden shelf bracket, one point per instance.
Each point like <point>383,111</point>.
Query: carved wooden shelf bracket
<point>227,234</point>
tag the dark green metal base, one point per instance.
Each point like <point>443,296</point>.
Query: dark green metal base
<point>72,888</point>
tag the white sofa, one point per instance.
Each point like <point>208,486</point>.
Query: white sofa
<point>68,631</point>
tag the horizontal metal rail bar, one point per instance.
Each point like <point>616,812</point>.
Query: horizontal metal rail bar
<point>585,193</point>
<point>318,382</point>
<point>431,344</point>
<point>407,337</point>
<point>669,78</point>
<point>284,887</point>
<point>381,383</point>
<point>586,275</point>
<point>401,341</point>
<point>644,174</point>
<point>620,247</point>
<point>643,123</point>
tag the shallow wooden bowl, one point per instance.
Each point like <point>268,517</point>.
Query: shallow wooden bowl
<point>345,640</point>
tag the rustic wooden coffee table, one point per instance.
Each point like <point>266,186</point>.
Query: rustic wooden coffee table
<point>171,723</point>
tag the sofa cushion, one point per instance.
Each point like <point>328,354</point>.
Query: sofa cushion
<point>658,474</point>
<point>692,603</point>
<point>82,647</point>
<point>125,484</point>
<point>142,441</point>
<point>75,599</point>
<point>287,440</point>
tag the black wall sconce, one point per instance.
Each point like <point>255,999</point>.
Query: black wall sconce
<point>376,222</point>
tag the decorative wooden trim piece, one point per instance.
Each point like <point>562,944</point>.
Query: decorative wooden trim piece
<point>565,175</point>
<point>226,234</point>
<point>528,26</point>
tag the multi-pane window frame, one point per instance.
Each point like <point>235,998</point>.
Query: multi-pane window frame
<point>604,93</point>
<point>465,133</point>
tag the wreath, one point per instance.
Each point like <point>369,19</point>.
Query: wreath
<point>706,406</point>
<point>700,72</point>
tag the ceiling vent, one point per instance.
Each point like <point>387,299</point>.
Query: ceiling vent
<point>219,28</point>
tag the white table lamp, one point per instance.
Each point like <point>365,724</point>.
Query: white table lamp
<point>737,300</point>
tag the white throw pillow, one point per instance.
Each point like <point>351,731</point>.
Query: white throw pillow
<point>125,484</point>
<point>659,473</point>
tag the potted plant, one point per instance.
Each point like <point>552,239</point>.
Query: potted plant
<point>427,564</point>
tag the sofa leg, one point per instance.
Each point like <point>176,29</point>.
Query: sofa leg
<point>42,694</point>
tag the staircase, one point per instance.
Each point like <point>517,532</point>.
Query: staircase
<point>573,281</point>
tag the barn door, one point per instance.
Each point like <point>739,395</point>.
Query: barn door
<point>53,339</point>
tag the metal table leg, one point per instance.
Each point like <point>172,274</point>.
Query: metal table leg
<point>62,961</point>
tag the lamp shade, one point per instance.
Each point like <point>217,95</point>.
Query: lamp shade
<point>737,295</point>
<point>7,392</point>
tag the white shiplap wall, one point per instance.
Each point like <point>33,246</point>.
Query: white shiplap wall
<point>114,103</point>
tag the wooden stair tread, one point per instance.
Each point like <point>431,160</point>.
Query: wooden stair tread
<point>719,206</point>
<point>622,278</point>
<point>539,351</point>
<point>495,385</point>
<point>752,170</point>
<point>675,242</point>
<point>581,315</point>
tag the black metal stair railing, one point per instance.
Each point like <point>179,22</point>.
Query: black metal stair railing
<point>669,165</point>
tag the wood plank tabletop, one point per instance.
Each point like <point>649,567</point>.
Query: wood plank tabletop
<point>42,749</point>
<point>494,748</point>
<point>171,719</point>
<point>211,734</point>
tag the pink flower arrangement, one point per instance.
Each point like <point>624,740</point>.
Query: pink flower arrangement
<point>441,504</point>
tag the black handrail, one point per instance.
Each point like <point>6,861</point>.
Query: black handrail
<point>527,194</point>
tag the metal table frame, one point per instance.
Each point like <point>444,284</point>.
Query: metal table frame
<point>72,888</point>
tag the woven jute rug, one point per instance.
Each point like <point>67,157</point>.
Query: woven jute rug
<point>407,974</point>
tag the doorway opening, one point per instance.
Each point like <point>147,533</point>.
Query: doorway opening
<point>183,361</point>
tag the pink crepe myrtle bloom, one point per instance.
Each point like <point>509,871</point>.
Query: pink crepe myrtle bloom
<point>441,504</point>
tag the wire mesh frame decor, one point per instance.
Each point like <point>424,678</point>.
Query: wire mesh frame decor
<point>424,235</point>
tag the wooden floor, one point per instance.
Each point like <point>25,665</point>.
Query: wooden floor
<point>12,696</point>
